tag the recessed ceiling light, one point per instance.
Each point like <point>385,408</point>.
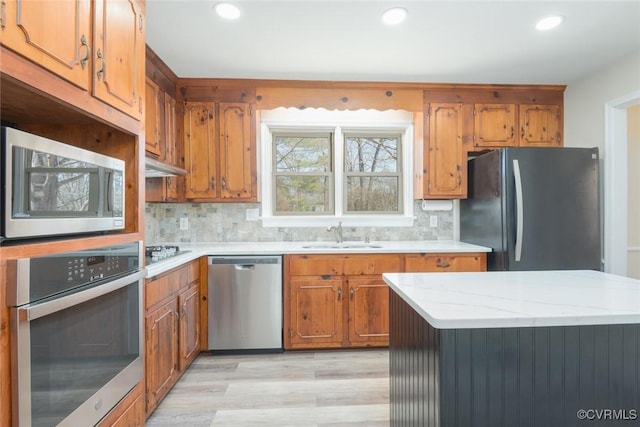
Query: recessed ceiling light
<point>394,16</point>
<point>227,10</point>
<point>549,23</point>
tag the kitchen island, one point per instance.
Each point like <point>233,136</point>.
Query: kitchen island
<point>544,348</point>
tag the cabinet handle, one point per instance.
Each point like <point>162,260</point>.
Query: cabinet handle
<point>3,14</point>
<point>100,73</point>
<point>213,182</point>
<point>223,183</point>
<point>441,264</point>
<point>339,294</point>
<point>83,61</point>
<point>351,293</point>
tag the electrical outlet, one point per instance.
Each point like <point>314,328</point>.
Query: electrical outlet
<point>252,214</point>
<point>184,223</point>
<point>433,221</point>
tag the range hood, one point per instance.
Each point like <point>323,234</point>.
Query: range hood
<point>156,169</point>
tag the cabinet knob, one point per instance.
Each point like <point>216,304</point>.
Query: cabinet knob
<point>339,294</point>
<point>223,183</point>
<point>352,292</point>
<point>213,182</point>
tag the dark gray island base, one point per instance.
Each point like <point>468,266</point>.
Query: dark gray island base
<point>550,376</point>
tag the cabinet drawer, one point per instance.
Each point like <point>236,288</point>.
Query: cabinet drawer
<point>335,265</point>
<point>371,264</point>
<point>160,288</point>
<point>311,265</point>
<point>442,262</point>
<point>189,274</point>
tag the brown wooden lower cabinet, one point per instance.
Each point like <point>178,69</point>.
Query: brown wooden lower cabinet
<point>172,329</point>
<point>341,301</point>
<point>189,331</point>
<point>161,363</point>
<point>129,412</point>
<point>315,307</point>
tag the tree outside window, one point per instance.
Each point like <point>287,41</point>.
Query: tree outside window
<point>304,172</point>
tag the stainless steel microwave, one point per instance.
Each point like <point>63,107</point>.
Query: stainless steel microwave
<point>50,188</point>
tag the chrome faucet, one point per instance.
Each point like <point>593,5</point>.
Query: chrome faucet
<point>337,229</point>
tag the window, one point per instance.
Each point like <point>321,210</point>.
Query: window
<point>372,173</point>
<point>322,166</point>
<point>303,173</point>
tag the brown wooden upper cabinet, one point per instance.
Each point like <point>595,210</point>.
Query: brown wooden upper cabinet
<point>445,154</point>
<point>57,36</point>
<point>119,49</point>
<point>459,121</point>
<point>154,119</point>
<point>160,123</point>
<point>220,153</point>
<point>495,125</point>
<point>540,126</point>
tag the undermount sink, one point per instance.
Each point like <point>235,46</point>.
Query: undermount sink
<point>340,246</point>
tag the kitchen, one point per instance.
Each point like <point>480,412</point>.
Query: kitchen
<point>90,119</point>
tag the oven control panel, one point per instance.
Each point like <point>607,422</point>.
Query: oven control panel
<point>45,276</point>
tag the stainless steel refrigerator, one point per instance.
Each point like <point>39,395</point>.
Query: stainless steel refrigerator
<point>537,208</point>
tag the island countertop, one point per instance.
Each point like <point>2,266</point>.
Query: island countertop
<point>515,299</point>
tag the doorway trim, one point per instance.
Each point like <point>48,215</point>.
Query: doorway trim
<point>615,182</point>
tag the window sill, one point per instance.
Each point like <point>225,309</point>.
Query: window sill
<point>347,221</point>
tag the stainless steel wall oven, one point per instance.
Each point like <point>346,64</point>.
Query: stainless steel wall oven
<point>77,334</point>
<point>51,188</point>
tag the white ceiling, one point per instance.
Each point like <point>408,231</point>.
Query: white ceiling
<point>441,41</point>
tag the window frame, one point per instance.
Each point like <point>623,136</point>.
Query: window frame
<point>319,120</point>
<point>346,133</point>
<point>330,175</point>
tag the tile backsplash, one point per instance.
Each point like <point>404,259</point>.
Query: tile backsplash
<point>225,222</point>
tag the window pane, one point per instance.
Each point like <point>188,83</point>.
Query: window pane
<point>303,153</point>
<point>372,194</point>
<point>302,194</point>
<point>371,154</point>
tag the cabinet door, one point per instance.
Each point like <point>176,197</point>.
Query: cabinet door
<point>154,102</point>
<point>189,306</point>
<point>237,152</point>
<point>540,126</point>
<point>161,353</point>
<point>368,311</point>
<point>315,312</point>
<point>444,262</point>
<point>445,154</point>
<point>200,150</point>
<point>53,34</point>
<point>169,131</point>
<point>495,125</point>
<point>119,55</point>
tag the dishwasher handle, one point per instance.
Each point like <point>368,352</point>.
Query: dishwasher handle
<point>244,260</point>
<point>245,266</point>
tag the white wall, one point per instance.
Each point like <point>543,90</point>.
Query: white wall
<point>584,101</point>
<point>633,219</point>
<point>606,93</point>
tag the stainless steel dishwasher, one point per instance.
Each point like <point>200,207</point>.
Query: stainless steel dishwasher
<point>245,303</point>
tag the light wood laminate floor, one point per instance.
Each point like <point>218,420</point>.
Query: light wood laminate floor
<point>301,389</point>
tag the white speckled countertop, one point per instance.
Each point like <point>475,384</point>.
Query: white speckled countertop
<point>196,250</point>
<point>504,299</point>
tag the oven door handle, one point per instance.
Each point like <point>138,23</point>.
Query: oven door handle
<point>32,312</point>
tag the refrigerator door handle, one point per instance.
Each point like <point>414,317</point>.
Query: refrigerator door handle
<point>519,209</point>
